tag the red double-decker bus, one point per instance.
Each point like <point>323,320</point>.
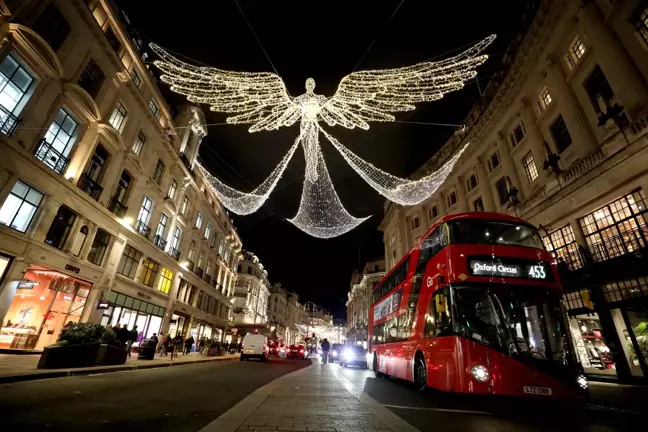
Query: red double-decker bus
<point>475,307</point>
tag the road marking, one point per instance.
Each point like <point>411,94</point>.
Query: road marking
<point>438,409</point>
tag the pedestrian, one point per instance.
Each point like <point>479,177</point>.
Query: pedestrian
<point>201,346</point>
<point>132,337</point>
<point>188,344</point>
<point>164,346</point>
<point>239,347</point>
<point>115,328</point>
<point>123,335</point>
<point>325,350</point>
<point>176,344</point>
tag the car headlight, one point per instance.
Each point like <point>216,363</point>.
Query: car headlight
<point>582,381</point>
<point>348,355</point>
<point>334,353</point>
<point>480,373</point>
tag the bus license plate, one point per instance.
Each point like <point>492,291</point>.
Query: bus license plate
<point>542,391</point>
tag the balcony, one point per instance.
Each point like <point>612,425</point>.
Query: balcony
<point>159,241</point>
<point>190,265</point>
<point>214,283</point>
<point>8,122</point>
<point>89,186</point>
<point>116,207</point>
<point>143,229</point>
<point>50,156</point>
<point>207,278</point>
<point>175,254</point>
<point>198,271</point>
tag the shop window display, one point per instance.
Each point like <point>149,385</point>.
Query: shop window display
<point>636,324</point>
<point>129,312</point>
<point>43,303</point>
<point>590,345</point>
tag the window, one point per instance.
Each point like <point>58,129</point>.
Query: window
<point>576,52</point>
<point>172,189</point>
<point>502,190</point>
<point>517,135</point>
<point>58,142</point>
<point>122,188</point>
<point>159,171</point>
<point>154,108</point>
<point>99,246</point>
<point>185,204</point>
<point>166,279</point>
<point>452,198</point>
<point>145,211</point>
<point>396,277</point>
<point>207,231</point>
<point>201,258</point>
<point>113,40</point>
<point>433,212</point>
<point>599,90</point>
<point>617,228</point>
<point>118,116</point>
<point>129,261</point>
<point>175,240</point>
<point>60,228</point>
<point>416,222</point>
<point>478,205</point>
<point>137,80</point>
<point>562,245</point>
<point>161,226</point>
<point>530,167</point>
<point>20,206</point>
<point>91,78</point>
<point>192,247</point>
<point>199,220</point>
<point>471,183</point>
<point>15,82</point>
<point>139,143</point>
<point>493,161</point>
<point>149,272</point>
<point>52,27</point>
<point>560,134</point>
<point>438,321</point>
<point>640,21</point>
<point>545,100</point>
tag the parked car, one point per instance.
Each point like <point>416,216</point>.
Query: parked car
<point>354,355</point>
<point>335,352</point>
<point>254,346</point>
<point>296,351</point>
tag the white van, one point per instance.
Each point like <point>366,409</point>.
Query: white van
<point>254,346</point>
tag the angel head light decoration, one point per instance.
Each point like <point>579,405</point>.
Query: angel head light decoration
<point>262,101</point>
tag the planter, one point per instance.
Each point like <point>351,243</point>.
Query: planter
<point>213,352</point>
<point>111,355</point>
<point>70,356</point>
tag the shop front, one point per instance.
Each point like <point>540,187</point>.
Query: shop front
<point>129,312</point>
<point>179,324</point>
<point>44,301</point>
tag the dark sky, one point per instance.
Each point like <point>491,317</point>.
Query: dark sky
<point>324,40</point>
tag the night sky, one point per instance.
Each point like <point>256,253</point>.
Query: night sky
<point>324,40</point>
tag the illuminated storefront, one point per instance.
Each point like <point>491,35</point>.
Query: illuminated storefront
<point>43,303</point>
<point>129,312</point>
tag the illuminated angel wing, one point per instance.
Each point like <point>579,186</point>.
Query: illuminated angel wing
<point>257,98</point>
<point>372,95</point>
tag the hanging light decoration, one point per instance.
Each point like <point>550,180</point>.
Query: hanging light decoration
<point>261,100</point>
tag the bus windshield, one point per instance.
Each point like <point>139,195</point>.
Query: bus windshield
<point>481,231</point>
<point>523,323</point>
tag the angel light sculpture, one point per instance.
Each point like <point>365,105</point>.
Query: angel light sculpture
<point>261,99</point>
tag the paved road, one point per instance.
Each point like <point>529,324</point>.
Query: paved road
<point>434,411</point>
<point>183,398</point>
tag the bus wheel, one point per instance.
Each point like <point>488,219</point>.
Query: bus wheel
<point>420,373</point>
<point>375,367</point>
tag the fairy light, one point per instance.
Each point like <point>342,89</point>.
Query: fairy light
<point>261,100</point>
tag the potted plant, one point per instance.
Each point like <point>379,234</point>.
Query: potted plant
<point>213,348</point>
<point>112,350</point>
<point>77,346</point>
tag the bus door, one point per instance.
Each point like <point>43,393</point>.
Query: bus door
<point>439,343</point>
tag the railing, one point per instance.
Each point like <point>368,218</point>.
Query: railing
<point>207,278</point>
<point>89,186</point>
<point>8,122</point>
<point>116,207</point>
<point>51,157</point>
<point>533,199</point>
<point>190,265</point>
<point>213,282</point>
<point>198,271</point>
<point>159,241</point>
<point>620,244</point>
<point>582,166</point>
<point>639,125</point>
<point>143,229</point>
<point>175,254</point>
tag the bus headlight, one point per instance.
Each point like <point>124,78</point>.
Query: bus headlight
<point>582,381</point>
<point>480,373</point>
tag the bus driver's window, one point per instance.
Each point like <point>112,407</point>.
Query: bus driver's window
<point>437,319</point>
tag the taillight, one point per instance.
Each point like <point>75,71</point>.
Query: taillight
<point>301,351</point>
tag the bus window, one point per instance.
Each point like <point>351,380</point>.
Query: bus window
<point>437,318</point>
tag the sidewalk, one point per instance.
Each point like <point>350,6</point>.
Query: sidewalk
<point>14,368</point>
<point>618,397</point>
<point>312,399</point>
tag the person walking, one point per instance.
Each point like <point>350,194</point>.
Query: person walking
<point>123,335</point>
<point>176,344</point>
<point>164,345</point>
<point>326,346</point>
<point>201,347</point>
<point>132,337</point>
<point>188,344</point>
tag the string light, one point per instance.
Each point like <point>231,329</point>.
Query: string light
<point>261,100</point>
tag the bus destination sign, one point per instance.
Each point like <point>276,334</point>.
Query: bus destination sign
<point>512,268</point>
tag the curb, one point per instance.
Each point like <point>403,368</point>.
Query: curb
<point>101,370</point>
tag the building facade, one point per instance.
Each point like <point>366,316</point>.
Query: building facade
<point>103,217</point>
<point>359,300</point>
<point>559,139</point>
<point>251,295</point>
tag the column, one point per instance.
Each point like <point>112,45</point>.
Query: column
<point>111,176</point>
<point>621,73</point>
<point>535,139</point>
<point>8,289</point>
<point>572,112</point>
<point>43,223</point>
<point>8,179</point>
<point>484,187</point>
<point>92,231</point>
<point>462,204</point>
<point>100,290</point>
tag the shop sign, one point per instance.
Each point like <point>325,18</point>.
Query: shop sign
<point>103,305</point>
<point>27,284</point>
<point>522,269</point>
<point>143,295</point>
<point>71,268</point>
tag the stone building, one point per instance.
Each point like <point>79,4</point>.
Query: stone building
<point>251,295</point>
<point>359,300</point>
<point>103,216</point>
